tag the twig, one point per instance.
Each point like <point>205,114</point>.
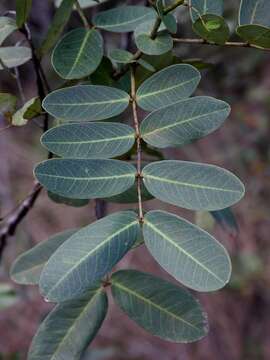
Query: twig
<point>228,43</point>
<point>82,15</point>
<point>138,141</point>
<point>17,216</point>
<point>173,6</point>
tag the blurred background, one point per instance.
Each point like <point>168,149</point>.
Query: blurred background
<point>239,315</point>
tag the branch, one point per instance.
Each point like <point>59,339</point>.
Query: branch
<point>82,15</point>
<point>17,216</point>
<point>228,43</point>
<point>138,140</point>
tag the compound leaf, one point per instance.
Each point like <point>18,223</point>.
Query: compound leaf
<point>183,122</point>
<point>85,179</point>
<point>88,255</point>
<point>191,185</point>
<point>89,140</point>
<point>28,266</point>
<point>168,86</point>
<point>123,18</point>
<point>188,253</point>
<point>86,103</point>
<point>70,327</point>
<point>78,53</point>
<point>160,307</point>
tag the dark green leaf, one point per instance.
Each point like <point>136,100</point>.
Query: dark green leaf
<point>191,185</point>
<point>162,308</point>
<point>188,253</point>
<point>23,8</point>
<point>168,86</point>
<point>161,44</point>
<point>255,34</point>
<point>123,18</point>
<point>86,103</point>
<point>70,327</point>
<point>89,140</point>
<point>78,54</point>
<point>57,26</point>
<point>88,256</point>
<point>85,179</point>
<point>183,122</point>
<point>28,266</point>
<point>212,28</point>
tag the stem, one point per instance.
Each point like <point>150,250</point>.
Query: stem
<point>138,141</point>
<point>228,43</point>
<point>82,16</point>
<point>173,6</point>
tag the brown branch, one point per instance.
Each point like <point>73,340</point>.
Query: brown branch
<point>228,43</point>
<point>18,214</point>
<point>138,141</point>
<point>15,218</point>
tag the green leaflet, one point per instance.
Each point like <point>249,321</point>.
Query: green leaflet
<point>7,27</point>
<point>123,18</point>
<point>255,12</point>
<point>13,56</point>
<point>57,26</point>
<point>70,327</point>
<point>202,7</point>
<point>23,8</point>
<point>161,44</point>
<point>78,53</point>
<point>121,56</point>
<point>89,140</point>
<point>86,103</point>
<point>255,34</point>
<point>160,307</point>
<point>168,86</point>
<point>85,179</point>
<point>187,252</point>
<point>28,266</point>
<point>212,28</point>
<point>88,256</point>
<point>183,122</point>
<point>191,185</point>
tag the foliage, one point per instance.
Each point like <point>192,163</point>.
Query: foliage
<point>97,154</point>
